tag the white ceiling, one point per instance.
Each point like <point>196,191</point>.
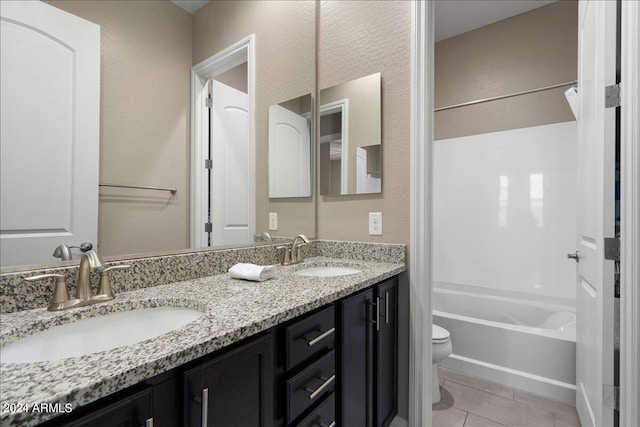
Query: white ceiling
<point>455,17</point>
<point>190,6</point>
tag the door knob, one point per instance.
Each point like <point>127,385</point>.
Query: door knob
<point>575,256</point>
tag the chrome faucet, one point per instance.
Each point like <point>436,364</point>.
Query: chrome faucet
<point>89,261</point>
<point>299,241</point>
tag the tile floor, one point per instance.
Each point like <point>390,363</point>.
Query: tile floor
<point>473,402</point>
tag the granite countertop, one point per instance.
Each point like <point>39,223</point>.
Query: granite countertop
<point>234,309</point>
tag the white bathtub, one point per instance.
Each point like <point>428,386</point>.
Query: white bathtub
<point>524,343</point>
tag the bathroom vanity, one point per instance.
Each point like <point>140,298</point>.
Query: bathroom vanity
<point>294,350</point>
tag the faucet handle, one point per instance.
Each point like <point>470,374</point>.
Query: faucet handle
<point>60,294</point>
<point>286,257</point>
<point>104,286</point>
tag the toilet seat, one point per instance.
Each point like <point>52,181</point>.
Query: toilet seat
<point>439,334</point>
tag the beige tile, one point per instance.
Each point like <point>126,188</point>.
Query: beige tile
<point>450,417</point>
<point>446,400</point>
<point>476,421</point>
<point>566,419</point>
<point>496,408</point>
<point>475,382</point>
<point>563,414</point>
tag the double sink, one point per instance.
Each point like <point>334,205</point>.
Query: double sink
<point>111,331</point>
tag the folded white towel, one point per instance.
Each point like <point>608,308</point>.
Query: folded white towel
<point>247,271</point>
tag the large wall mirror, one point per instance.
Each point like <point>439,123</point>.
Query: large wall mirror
<point>350,137</point>
<point>147,51</point>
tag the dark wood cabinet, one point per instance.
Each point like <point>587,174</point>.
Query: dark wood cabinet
<point>386,353</point>
<point>356,360</point>
<point>323,415</point>
<point>132,411</point>
<point>334,366</point>
<point>305,368</point>
<point>369,356</point>
<point>233,389</point>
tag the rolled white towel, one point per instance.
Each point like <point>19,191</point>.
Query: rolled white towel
<point>247,271</point>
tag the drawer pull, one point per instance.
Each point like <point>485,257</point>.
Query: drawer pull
<point>386,310</point>
<point>327,382</point>
<point>321,424</point>
<point>148,423</point>
<point>205,407</point>
<point>323,335</point>
<point>376,321</point>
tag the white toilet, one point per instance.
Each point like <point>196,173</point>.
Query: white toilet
<point>441,348</point>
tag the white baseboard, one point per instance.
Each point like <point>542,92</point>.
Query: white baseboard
<point>510,377</point>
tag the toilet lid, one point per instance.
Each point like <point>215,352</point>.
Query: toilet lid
<point>439,333</point>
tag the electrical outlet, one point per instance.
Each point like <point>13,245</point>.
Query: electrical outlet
<point>375,223</point>
<point>273,221</point>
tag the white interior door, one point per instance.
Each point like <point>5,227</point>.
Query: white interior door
<point>289,154</point>
<point>232,170</point>
<point>49,114</point>
<point>596,157</point>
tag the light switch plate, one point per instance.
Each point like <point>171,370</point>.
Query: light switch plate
<point>375,223</point>
<point>273,221</point>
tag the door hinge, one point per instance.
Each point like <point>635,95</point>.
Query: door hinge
<point>611,396</point>
<point>208,163</point>
<point>612,96</point>
<point>208,102</point>
<point>208,227</point>
<point>612,248</point>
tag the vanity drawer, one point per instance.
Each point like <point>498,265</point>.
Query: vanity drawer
<point>308,387</point>
<point>310,336</point>
<point>323,415</point>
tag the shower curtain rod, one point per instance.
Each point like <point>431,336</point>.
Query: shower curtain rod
<point>511,95</point>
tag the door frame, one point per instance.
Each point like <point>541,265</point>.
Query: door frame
<point>341,106</point>
<point>420,211</point>
<point>421,145</point>
<point>630,215</point>
<point>234,55</point>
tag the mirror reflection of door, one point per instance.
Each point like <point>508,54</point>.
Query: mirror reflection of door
<point>49,170</point>
<point>290,148</point>
<point>334,148</point>
<point>351,137</point>
<point>229,199</point>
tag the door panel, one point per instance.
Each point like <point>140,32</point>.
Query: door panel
<point>50,79</point>
<point>231,201</point>
<point>596,150</point>
<point>289,154</point>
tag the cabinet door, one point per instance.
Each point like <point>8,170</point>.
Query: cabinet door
<point>234,389</point>
<point>386,354</point>
<point>132,411</point>
<point>356,360</point>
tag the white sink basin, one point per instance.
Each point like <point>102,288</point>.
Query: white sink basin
<point>327,271</point>
<point>97,334</point>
